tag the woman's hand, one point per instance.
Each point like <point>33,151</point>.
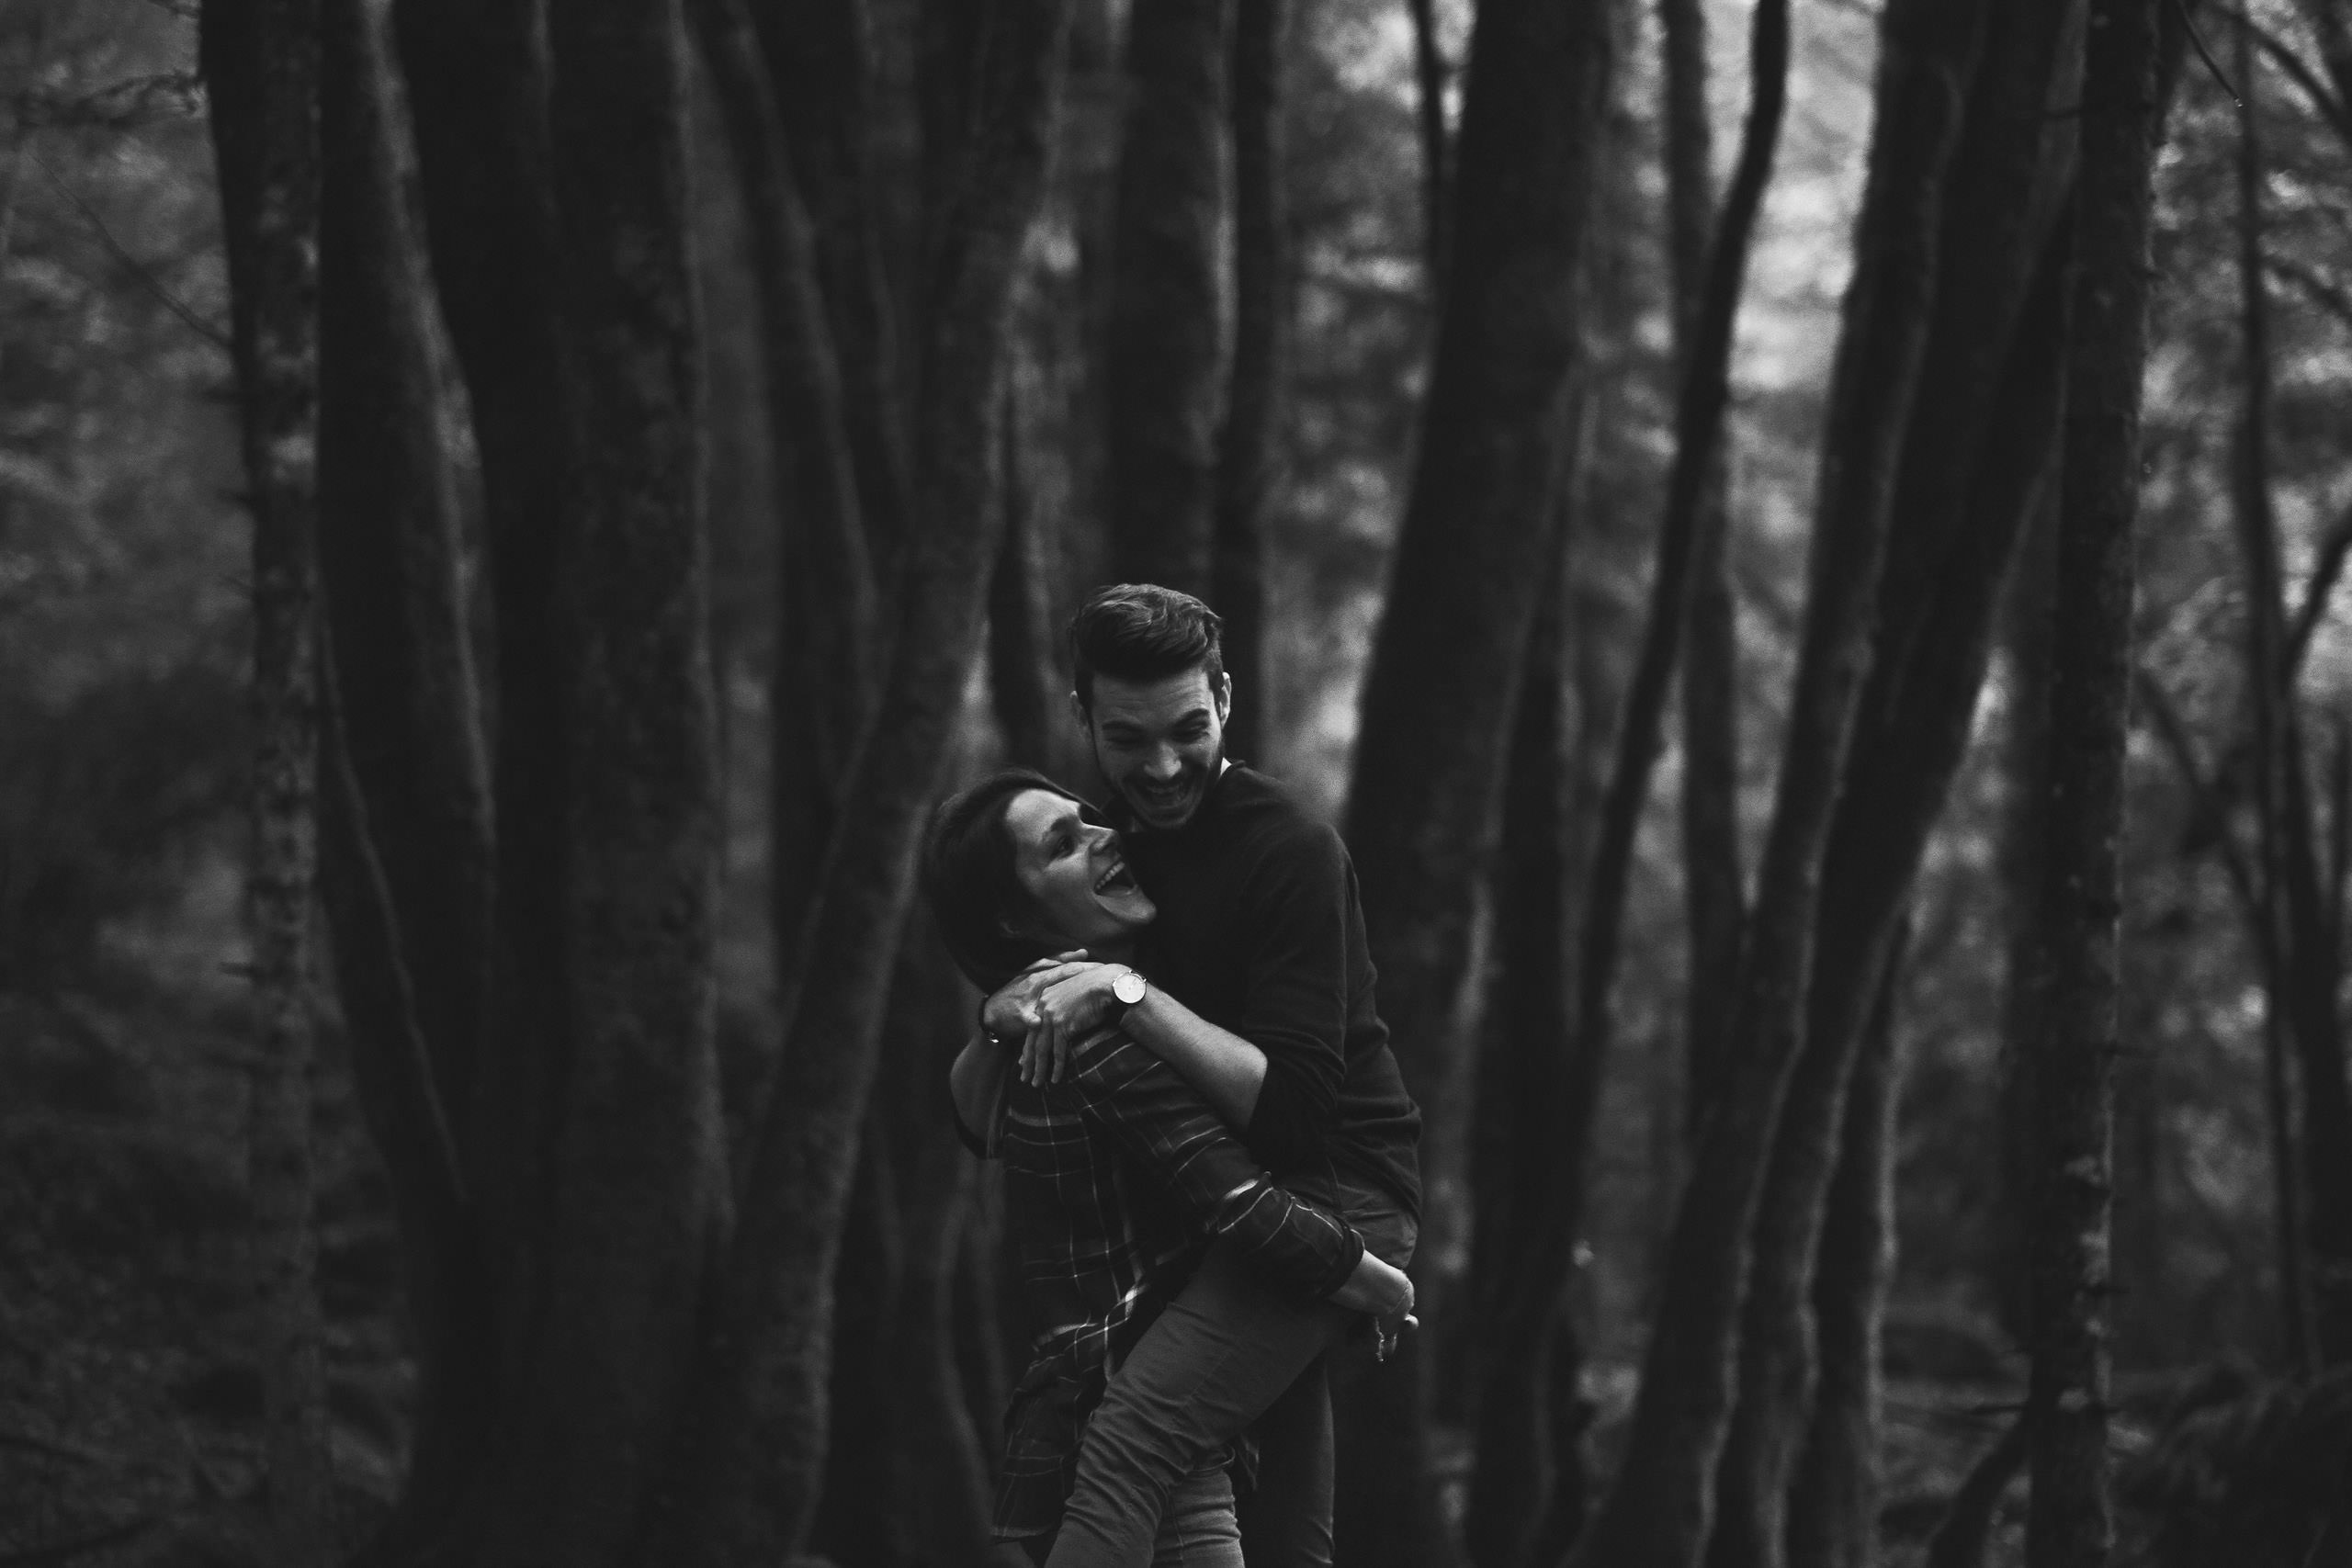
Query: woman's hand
<point>1074,1000</point>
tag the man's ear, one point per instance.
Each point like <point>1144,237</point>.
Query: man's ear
<point>1077,714</point>
<point>1225,696</point>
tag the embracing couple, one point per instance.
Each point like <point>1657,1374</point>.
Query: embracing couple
<point>1208,1153</point>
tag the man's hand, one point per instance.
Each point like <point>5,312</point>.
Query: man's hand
<point>1012,1009</point>
<point>1075,1000</point>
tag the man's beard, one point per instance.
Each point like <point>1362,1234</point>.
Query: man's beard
<point>1194,787</point>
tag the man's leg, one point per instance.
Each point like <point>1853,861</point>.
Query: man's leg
<point>1287,1517</point>
<point>1224,1350</point>
<point>1197,1529</point>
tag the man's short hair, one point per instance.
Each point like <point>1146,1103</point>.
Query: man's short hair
<point>1140,631</point>
<point>971,880</point>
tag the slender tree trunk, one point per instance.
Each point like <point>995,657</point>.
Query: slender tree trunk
<point>1445,674</point>
<point>2292,853</point>
<point>630,1198</point>
<point>1712,884</point>
<point>1250,460</point>
<point>1163,356</point>
<point>1834,1494</point>
<point>2030,614</point>
<point>1511,1505</point>
<point>408,851</point>
<point>477,78</point>
<point>747,1463</point>
<point>1966,1529</point>
<point>1429,101</point>
<point>1025,675</point>
<point>2070,1523</point>
<point>821,64</point>
<point>260,59</point>
<point>1981,440</point>
<point>824,675</point>
<point>1525,1052</point>
<point>1660,1509</point>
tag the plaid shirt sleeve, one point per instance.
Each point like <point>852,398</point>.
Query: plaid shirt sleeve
<point>1169,1131</point>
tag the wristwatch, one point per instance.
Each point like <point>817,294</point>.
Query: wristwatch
<point>1129,988</point>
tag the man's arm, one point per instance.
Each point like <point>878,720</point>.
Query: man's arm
<point>1163,1125</point>
<point>1295,993</point>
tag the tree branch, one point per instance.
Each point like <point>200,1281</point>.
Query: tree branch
<point>139,270</point>
<point>2326,566</point>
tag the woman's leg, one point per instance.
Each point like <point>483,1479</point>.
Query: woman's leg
<point>1222,1352</point>
<point>1197,1529</point>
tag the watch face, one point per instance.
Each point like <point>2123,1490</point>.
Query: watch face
<point>1128,987</point>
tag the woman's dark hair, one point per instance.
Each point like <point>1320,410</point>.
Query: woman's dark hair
<point>1140,631</point>
<point>970,881</point>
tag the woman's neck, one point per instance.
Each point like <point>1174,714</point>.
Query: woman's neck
<point>1119,950</point>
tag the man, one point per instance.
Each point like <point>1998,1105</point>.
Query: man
<point>1260,933</point>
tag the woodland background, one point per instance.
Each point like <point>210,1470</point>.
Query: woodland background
<point>510,512</point>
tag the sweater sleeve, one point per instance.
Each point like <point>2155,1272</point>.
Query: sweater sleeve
<point>1294,995</point>
<point>1171,1133</point>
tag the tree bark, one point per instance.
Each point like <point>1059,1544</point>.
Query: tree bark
<point>1550,1171</point>
<point>1428,102</point>
<point>1025,676</point>
<point>750,1449</point>
<point>2030,614</point>
<point>821,62</point>
<point>1660,1509</point>
<point>1526,1051</point>
<point>1714,886</point>
<point>2291,853</point>
<point>1162,354</point>
<point>1445,671</point>
<point>1962,1534</point>
<point>824,675</point>
<point>1981,438</point>
<point>2070,1523</point>
<point>1249,459</point>
<point>260,59</point>
<point>629,1197</point>
<point>407,850</point>
<point>1833,1496</point>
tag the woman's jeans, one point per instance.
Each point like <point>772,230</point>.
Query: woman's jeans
<point>1232,1349</point>
<point>1195,1530</point>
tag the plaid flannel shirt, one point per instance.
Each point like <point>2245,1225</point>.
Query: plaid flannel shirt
<point>1115,1180</point>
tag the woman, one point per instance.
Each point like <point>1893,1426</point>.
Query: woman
<point>1116,1176</point>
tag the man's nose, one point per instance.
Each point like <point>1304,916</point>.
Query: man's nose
<point>1164,763</point>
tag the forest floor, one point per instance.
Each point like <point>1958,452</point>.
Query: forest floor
<point>129,1402</point>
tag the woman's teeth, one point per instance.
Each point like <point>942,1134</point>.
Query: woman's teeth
<point>1113,877</point>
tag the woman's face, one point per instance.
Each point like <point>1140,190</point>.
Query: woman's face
<point>1073,871</point>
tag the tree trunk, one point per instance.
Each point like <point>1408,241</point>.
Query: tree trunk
<point>2030,614</point>
<point>1526,1050</point>
<point>1162,353</point>
<point>745,1469</point>
<point>1429,101</point>
<point>819,62</point>
<point>477,77</point>
<point>824,673</point>
<point>1962,1534</point>
<point>2291,853</point>
<point>2070,1523</point>
<point>1551,1169</point>
<point>408,848</point>
<point>1834,1498</point>
<point>621,1215</point>
<point>1445,670</point>
<point>1250,460</point>
<point>1660,1509</point>
<point>260,59</point>
<point>1983,432</point>
<point>1025,676</point>
<point>1713,895</point>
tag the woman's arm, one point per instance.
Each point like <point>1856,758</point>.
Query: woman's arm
<point>976,1083</point>
<point>1222,1068</point>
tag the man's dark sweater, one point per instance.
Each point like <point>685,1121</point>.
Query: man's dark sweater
<point>1260,931</point>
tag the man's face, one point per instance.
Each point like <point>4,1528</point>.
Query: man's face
<point>1158,742</point>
